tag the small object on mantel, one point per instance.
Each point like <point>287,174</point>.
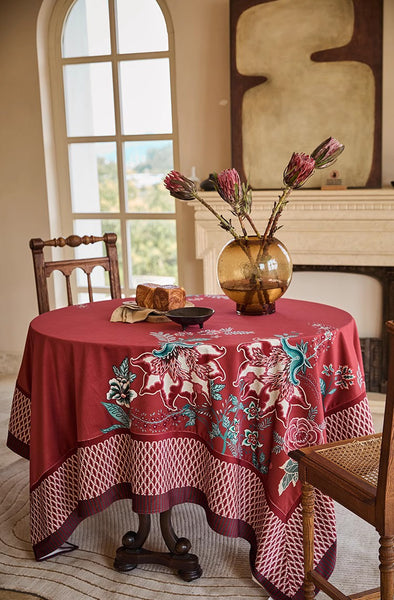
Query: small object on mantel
<point>207,184</point>
<point>334,182</point>
<point>193,177</point>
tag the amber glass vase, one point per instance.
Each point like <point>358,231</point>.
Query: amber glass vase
<point>254,274</point>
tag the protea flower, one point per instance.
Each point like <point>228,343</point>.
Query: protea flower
<point>180,186</point>
<point>238,195</point>
<point>327,152</point>
<point>228,185</point>
<point>301,166</point>
<point>183,188</point>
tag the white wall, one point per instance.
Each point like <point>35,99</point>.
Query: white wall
<point>23,198</point>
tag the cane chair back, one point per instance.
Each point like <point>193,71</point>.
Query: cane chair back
<point>359,474</point>
<point>43,268</point>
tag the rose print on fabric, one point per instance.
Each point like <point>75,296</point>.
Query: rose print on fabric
<point>266,409</point>
<point>302,432</point>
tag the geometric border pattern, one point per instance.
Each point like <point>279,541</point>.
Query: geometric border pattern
<point>159,473</point>
<point>19,425</point>
<point>232,491</point>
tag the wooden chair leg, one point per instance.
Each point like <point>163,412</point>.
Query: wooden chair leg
<point>308,512</point>
<point>386,557</point>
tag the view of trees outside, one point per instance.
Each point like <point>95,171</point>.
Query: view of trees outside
<point>153,251</point>
<point>151,243</point>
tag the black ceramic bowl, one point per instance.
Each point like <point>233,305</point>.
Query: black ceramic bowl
<point>190,315</point>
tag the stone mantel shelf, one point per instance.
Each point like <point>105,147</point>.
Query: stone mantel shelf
<point>319,227</point>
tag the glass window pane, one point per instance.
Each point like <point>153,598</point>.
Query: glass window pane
<point>147,163</point>
<point>152,247</point>
<point>145,96</point>
<point>89,99</point>
<point>94,177</point>
<point>86,31</point>
<point>141,26</point>
<point>97,227</point>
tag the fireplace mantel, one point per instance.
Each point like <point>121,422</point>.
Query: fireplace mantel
<point>319,227</point>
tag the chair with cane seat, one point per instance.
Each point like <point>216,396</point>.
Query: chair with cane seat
<point>359,475</point>
<point>43,269</point>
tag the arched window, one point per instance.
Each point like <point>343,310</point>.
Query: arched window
<point>114,128</point>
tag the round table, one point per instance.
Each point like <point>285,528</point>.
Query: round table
<point>108,410</point>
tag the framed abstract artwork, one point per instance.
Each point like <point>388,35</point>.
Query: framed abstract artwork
<point>301,71</point>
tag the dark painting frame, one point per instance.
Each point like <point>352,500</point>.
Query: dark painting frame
<point>365,46</point>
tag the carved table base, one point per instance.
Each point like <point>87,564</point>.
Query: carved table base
<point>132,553</point>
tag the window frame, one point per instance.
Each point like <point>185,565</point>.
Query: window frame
<point>61,212</point>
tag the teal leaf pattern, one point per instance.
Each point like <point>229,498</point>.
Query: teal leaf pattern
<point>117,413</point>
<point>279,441</point>
<point>291,475</point>
<point>215,389</point>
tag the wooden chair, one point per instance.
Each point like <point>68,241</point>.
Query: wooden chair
<point>43,269</point>
<point>359,474</point>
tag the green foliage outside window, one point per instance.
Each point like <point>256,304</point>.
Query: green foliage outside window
<point>153,248</point>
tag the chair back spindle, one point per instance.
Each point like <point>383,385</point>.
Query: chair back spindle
<point>43,269</point>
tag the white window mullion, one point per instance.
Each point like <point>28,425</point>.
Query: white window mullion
<point>119,146</point>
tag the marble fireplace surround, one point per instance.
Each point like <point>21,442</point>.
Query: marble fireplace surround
<point>329,230</point>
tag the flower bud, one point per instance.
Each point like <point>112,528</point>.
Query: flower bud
<point>228,185</point>
<point>327,153</point>
<point>300,168</point>
<point>180,186</point>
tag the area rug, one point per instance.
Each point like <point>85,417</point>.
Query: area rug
<point>6,594</point>
<point>87,573</point>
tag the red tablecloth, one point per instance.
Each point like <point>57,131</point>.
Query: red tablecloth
<point>150,412</point>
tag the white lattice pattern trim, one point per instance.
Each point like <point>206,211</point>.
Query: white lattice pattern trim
<point>52,502</point>
<point>232,490</point>
<point>153,468</point>
<point>19,424</point>
<point>354,421</point>
<point>156,467</point>
<point>280,554</point>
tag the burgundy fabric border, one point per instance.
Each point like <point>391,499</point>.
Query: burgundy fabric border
<point>345,406</point>
<point>17,446</point>
<point>144,505</point>
<point>325,568</point>
<point>150,504</point>
<point>85,508</point>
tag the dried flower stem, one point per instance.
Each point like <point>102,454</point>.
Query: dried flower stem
<point>225,224</point>
<point>244,232</point>
<point>276,211</point>
<point>253,225</point>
